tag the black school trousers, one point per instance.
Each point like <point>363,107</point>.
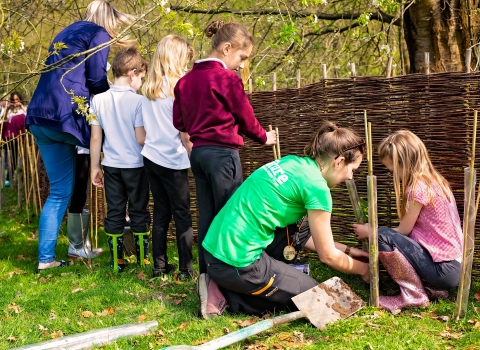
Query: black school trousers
<point>218,174</point>
<point>126,186</point>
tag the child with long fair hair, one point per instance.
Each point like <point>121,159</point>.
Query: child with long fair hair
<point>165,156</point>
<point>211,105</point>
<point>423,254</point>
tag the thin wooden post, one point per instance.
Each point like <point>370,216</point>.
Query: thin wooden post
<point>469,218</point>
<point>250,86</point>
<point>324,71</point>
<point>388,72</point>
<point>298,78</point>
<point>36,154</point>
<point>274,81</point>
<point>353,72</point>
<point>468,60</point>
<point>427,63</point>
<point>279,155</point>
<point>274,146</point>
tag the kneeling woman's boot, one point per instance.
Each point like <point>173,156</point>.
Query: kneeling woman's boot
<point>412,293</point>
<point>115,243</point>
<point>141,247</point>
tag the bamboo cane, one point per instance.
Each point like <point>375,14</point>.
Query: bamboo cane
<point>372,218</point>
<point>25,183</point>
<point>92,213</point>
<point>19,173</point>
<point>277,143</point>
<point>31,159</point>
<point>96,214</point>
<point>274,146</point>
<point>9,145</point>
<point>2,182</point>
<point>467,255</point>
<point>37,159</point>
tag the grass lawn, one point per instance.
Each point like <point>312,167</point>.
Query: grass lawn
<point>80,298</point>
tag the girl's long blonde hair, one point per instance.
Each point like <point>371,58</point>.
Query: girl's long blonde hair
<point>104,14</point>
<point>170,60</point>
<point>405,150</point>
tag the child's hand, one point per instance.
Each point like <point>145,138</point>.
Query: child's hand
<point>361,230</point>
<point>359,254</point>
<point>97,177</point>
<point>271,138</point>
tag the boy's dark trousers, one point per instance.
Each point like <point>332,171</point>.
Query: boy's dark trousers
<point>218,174</point>
<point>171,196</point>
<point>124,186</point>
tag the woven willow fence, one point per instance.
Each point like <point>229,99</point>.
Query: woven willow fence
<point>438,108</point>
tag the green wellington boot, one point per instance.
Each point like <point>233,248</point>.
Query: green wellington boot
<point>141,246</point>
<point>115,243</point>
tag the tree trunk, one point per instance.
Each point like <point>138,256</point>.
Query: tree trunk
<point>444,29</point>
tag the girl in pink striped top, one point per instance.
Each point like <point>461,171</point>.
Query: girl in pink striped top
<point>423,254</point>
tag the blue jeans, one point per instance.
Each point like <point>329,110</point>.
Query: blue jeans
<point>443,275</point>
<point>58,154</point>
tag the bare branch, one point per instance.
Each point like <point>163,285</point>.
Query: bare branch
<point>378,16</point>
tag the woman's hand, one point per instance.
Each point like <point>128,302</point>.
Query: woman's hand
<point>366,276</point>
<point>361,230</point>
<point>271,138</point>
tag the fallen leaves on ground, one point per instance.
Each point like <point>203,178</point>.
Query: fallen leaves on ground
<point>57,334</point>
<point>108,311</point>
<point>284,336</point>
<point>141,276</point>
<point>12,338</point>
<point>477,296</point>
<point>142,318</point>
<point>226,330</point>
<point>76,290</point>
<point>257,346</point>
<point>15,307</point>
<point>87,314</point>
<point>449,335</point>
<point>182,326</point>
<point>247,323</point>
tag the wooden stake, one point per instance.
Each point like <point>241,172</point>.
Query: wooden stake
<point>25,180</point>
<point>389,67</point>
<point>427,63</point>
<point>467,256</point>
<point>31,159</point>
<point>324,71</point>
<point>298,78</point>
<point>468,60</point>
<point>250,86</point>
<point>352,69</point>
<point>274,81</point>
<point>273,147</point>
<point>278,144</point>
<point>37,159</point>
<point>372,218</point>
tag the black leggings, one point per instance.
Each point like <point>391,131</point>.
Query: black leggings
<point>82,172</point>
<point>443,275</point>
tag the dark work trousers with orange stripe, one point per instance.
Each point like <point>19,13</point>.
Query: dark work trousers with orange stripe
<point>269,283</point>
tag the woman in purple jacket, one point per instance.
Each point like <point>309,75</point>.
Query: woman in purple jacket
<point>53,119</point>
<point>212,107</point>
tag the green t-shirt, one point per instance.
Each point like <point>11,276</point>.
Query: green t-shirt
<point>275,195</point>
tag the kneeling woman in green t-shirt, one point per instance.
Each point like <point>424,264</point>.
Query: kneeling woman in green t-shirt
<point>241,246</point>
